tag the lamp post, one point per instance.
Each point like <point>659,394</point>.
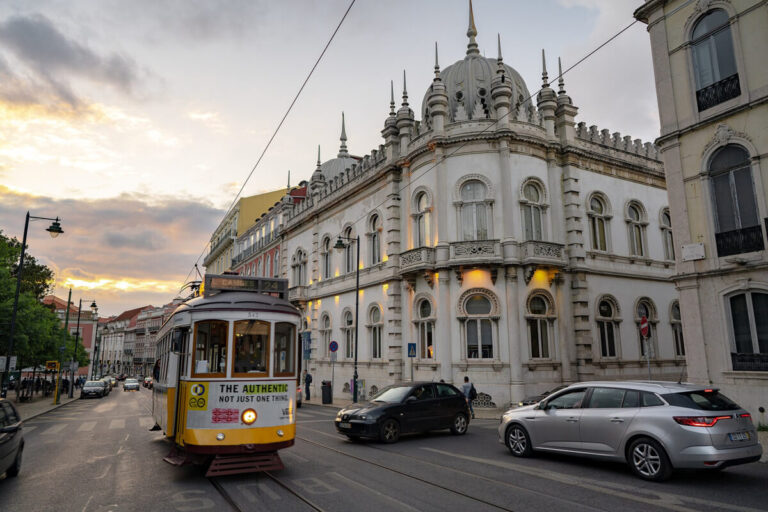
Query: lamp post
<point>340,246</point>
<point>55,230</point>
<point>94,312</point>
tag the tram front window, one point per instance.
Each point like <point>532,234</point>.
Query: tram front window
<point>211,348</point>
<point>285,344</point>
<point>251,348</point>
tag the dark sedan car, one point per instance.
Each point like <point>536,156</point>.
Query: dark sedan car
<point>404,408</point>
<point>97,388</point>
<point>11,439</point>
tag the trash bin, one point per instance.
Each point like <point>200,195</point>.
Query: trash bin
<point>327,392</point>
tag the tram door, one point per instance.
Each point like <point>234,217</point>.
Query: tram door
<point>179,355</point>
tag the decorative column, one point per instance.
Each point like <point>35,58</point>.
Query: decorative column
<point>514,335</point>
<point>443,333</point>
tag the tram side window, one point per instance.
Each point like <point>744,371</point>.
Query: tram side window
<point>211,348</point>
<point>285,346</point>
<point>251,348</point>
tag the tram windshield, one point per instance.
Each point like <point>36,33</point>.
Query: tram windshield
<point>251,347</point>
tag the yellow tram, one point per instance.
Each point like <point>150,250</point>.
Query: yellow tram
<point>226,375</point>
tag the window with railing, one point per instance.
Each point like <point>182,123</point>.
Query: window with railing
<point>749,328</point>
<point>714,64</point>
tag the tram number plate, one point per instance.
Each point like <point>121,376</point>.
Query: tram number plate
<point>739,436</point>
<point>345,424</point>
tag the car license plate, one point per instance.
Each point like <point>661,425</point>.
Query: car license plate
<point>739,436</point>
<point>345,424</point>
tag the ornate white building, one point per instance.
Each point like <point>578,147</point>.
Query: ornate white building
<point>503,239</point>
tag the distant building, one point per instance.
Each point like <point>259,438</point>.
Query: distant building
<point>710,59</point>
<point>148,322</point>
<point>118,339</point>
<point>499,239</point>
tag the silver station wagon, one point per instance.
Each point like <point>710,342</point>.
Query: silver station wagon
<point>652,426</point>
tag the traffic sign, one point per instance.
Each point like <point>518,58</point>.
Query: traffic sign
<point>333,346</point>
<point>52,365</point>
<point>644,327</point>
<point>411,350</point>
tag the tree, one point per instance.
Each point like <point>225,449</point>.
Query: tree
<point>36,278</point>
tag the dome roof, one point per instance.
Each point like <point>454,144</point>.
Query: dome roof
<point>468,82</point>
<point>336,166</point>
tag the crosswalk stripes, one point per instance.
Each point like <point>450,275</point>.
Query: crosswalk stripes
<point>146,422</point>
<point>86,426</point>
<point>117,423</point>
<point>55,429</point>
<point>29,429</point>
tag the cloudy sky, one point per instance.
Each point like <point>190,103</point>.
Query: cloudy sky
<point>137,122</point>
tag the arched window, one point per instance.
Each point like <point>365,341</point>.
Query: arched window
<point>533,209</point>
<point>608,326</point>
<point>421,219</point>
<point>714,65</point>
<point>258,267</point>
<point>276,266</point>
<point>598,223</point>
<point>737,223</point>
<point>300,268</point>
<point>325,331</point>
<point>349,335</point>
<point>268,265</point>
<point>539,316</point>
<point>374,239</point>
<point>474,211</point>
<point>425,324</point>
<point>666,235</point>
<point>349,252</point>
<point>376,325</point>
<point>636,229</point>
<point>325,258</point>
<point>478,327</point>
<point>677,329</point>
<point>645,308</point>
<point>749,328</point>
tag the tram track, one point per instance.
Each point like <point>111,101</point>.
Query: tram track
<point>236,508</point>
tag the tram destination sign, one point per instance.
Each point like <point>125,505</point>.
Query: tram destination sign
<point>235,283</point>
<point>217,403</point>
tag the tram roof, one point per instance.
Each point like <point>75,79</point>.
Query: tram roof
<point>240,301</point>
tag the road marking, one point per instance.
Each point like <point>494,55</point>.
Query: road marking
<point>55,429</point>
<point>146,422</point>
<point>291,455</point>
<point>87,426</point>
<point>373,491</point>
<point>262,490</point>
<point>119,423</point>
<point>327,420</point>
<point>307,413</point>
<point>28,429</point>
<point>106,470</point>
<point>648,496</point>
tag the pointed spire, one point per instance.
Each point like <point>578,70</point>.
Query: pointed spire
<point>544,76</point>
<point>471,33</point>
<point>437,65</point>
<point>391,97</point>
<point>343,148</point>
<point>405,92</point>
<point>289,179</point>
<point>560,81</point>
<point>499,59</point>
<point>318,156</point>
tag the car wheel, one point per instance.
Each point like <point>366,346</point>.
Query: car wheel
<point>16,467</point>
<point>390,431</point>
<point>459,425</point>
<point>518,441</point>
<point>648,460</point>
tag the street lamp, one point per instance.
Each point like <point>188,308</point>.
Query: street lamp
<point>340,246</point>
<point>55,230</point>
<point>94,312</point>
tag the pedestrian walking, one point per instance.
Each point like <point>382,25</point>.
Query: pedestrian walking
<point>470,393</point>
<point>307,382</point>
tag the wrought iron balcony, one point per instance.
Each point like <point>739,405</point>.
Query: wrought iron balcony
<point>542,253</point>
<point>740,241</point>
<point>719,92</point>
<point>750,362</point>
<point>417,259</point>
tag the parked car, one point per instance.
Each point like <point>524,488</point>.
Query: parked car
<point>147,382</point>
<point>403,408</point>
<point>107,384</point>
<point>121,377</point>
<point>11,439</point>
<point>654,427</point>
<point>534,399</point>
<point>97,388</point>
<point>113,381</point>
<point>130,385</point>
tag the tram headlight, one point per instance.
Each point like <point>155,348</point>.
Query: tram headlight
<point>220,436</point>
<point>248,416</point>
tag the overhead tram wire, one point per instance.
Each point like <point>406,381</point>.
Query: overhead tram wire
<point>444,157</point>
<point>277,129</point>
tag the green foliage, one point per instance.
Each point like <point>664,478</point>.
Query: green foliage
<point>39,333</point>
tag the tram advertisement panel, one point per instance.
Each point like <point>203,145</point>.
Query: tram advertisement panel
<point>218,403</point>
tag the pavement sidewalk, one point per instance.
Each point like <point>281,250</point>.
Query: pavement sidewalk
<point>338,403</point>
<point>39,404</point>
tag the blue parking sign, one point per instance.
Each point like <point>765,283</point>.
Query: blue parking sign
<point>411,350</point>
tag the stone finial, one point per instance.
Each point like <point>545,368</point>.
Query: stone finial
<point>392,98</point>
<point>405,92</point>
<point>318,156</point>
<point>437,65</point>
<point>343,148</point>
<point>499,59</point>
<point>544,76</point>
<point>471,33</point>
<point>560,81</point>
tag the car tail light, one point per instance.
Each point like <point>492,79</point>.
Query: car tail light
<point>747,415</point>
<point>248,416</point>
<point>700,421</point>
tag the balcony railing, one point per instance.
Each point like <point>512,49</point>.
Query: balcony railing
<point>740,241</point>
<point>546,253</point>
<point>417,259</point>
<point>476,251</point>
<point>719,92</point>
<point>297,293</point>
<point>750,362</point>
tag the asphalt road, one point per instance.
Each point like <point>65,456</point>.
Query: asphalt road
<point>99,455</point>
